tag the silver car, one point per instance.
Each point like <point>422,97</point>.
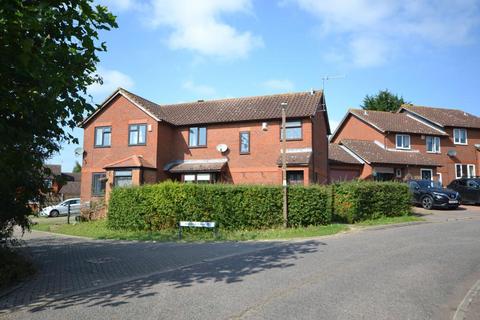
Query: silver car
<point>62,208</point>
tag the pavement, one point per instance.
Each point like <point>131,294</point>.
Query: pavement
<point>416,271</point>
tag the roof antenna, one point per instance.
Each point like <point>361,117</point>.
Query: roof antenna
<point>326,78</point>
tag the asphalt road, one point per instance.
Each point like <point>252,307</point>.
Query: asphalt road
<point>420,271</point>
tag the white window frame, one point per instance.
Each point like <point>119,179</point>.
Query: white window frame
<point>398,172</point>
<point>403,142</point>
<point>426,169</point>
<point>469,166</point>
<point>434,144</point>
<point>456,135</point>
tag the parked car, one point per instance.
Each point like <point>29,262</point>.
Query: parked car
<point>62,208</point>
<point>430,194</point>
<point>469,189</point>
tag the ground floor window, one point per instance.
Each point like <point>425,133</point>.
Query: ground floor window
<point>199,178</point>
<point>464,170</point>
<point>123,178</point>
<point>98,183</point>
<point>295,177</point>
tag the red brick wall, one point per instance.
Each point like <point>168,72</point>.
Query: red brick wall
<point>119,114</point>
<point>320,149</point>
<point>260,166</point>
<point>466,154</point>
<point>353,128</point>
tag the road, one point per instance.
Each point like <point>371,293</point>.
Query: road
<point>420,271</point>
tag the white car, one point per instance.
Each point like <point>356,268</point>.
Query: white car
<point>62,208</point>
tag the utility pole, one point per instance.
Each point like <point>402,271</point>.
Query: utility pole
<point>284,163</point>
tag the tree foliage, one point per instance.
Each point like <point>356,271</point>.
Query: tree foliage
<point>78,167</point>
<point>384,100</point>
<point>49,53</point>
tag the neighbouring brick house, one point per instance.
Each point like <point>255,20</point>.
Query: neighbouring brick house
<point>129,140</point>
<point>414,142</point>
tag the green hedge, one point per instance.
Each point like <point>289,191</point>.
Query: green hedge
<point>163,205</point>
<point>363,200</point>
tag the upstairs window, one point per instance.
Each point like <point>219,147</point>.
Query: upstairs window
<point>137,134</point>
<point>460,136</point>
<point>197,137</point>
<point>98,184</point>
<point>244,142</point>
<point>403,141</point>
<point>103,137</point>
<point>293,130</point>
<point>433,144</point>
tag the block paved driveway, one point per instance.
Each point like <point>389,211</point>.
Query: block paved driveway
<point>420,271</point>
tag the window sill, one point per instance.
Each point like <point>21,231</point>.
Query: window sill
<point>460,144</point>
<point>403,148</point>
<point>101,147</point>
<point>433,152</point>
<point>244,153</point>
<point>196,147</point>
<point>299,139</point>
<point>137,145</point>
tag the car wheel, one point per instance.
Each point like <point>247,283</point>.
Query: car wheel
<point>427,202</point>
<point>54,213</point>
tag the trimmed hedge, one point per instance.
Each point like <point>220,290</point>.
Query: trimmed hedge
<point>364,200</point>
<point>163,205</point>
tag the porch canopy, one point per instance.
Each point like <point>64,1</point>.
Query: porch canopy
<point>193,166</point>
<point>135,161</point>
<point>296,159</point>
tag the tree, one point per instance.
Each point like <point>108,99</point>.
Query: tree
<point>49,53</point>
<point>77,167</point>
<point>384,100</point>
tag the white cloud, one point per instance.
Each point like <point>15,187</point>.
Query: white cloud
<point>279,84</point>
<point>112,79</point>
<point>199,89</point>
<point>374,31</point>
<point>198,26</point>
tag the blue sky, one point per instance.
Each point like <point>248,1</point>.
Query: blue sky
<point>181,50</point>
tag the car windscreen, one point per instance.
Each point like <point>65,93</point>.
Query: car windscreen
<point>429,184</point>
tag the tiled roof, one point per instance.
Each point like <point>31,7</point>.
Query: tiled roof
<point>445,117</point>
<point>196,166</point>
<point>372,152</point>
<point>55,169</point>
<point>71,188</point>
<point>337,154</point>
<point>296,158</point>
<point>394,122</point>
<point>300,105</point>
<point>134,161</point>
<point>72,176</point>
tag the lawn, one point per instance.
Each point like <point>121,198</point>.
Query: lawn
<point>99,230</point>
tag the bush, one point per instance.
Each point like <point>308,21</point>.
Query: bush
<point>362,200</point>
<point>163,205</point>
<point>309,205</point>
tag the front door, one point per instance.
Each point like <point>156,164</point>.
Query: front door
<point>427,174</point>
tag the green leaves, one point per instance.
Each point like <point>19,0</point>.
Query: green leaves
<point>384,100</point>
<point>49,53</point>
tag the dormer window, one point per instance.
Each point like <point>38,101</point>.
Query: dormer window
<point>403,141</point>
<point>460,136</point>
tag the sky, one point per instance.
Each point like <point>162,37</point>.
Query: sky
<point>183,50</point>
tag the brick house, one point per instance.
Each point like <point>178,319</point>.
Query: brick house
<point>129,140</point>
<point>416,141</point>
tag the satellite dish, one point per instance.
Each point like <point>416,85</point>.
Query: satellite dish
<point>222,148</point>
<point>78,152</point>
<point>452,153</point>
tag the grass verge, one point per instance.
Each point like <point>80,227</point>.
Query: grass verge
<point>99,230</point>
<point>13,267</point>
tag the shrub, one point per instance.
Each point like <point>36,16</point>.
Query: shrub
<point>362,200</point>
<point>309,205</point>
<point>163,205</point>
